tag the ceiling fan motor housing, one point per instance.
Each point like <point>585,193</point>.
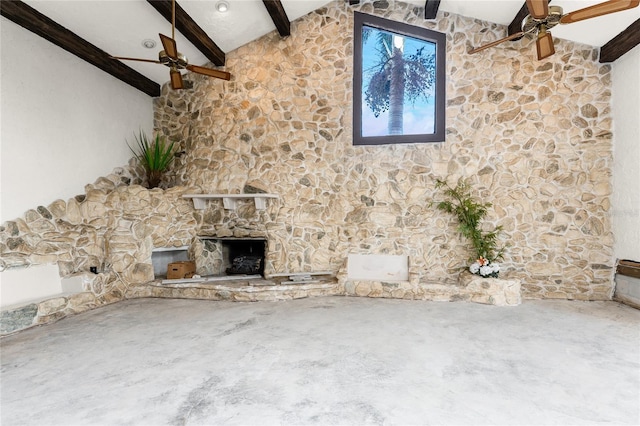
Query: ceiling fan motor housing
<point>531,25</point>
<point>180,61</point>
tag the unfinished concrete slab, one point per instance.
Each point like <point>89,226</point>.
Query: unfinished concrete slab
<point>335,360</point>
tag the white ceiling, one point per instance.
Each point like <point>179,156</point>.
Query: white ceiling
<point>119,26</point>
<point>594,32</point>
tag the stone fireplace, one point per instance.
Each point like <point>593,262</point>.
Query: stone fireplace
<point>215,256</point>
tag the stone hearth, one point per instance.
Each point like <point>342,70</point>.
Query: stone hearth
<point>470,288</point>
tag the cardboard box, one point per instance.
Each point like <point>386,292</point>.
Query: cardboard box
<point>180,270</point>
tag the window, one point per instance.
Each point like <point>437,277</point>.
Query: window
<point>398,82</point>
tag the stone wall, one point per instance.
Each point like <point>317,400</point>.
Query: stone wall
<point>113,228</point>
<point>114,231</point>
<point>534,137</point>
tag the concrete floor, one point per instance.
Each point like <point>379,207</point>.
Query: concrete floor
<point>331,360</point>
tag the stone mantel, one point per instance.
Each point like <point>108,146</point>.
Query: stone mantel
<point>229,201</point>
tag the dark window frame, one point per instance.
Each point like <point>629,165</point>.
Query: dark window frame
<point>439,39</point>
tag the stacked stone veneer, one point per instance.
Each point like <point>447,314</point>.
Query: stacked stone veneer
<point>468,288</point>
<point>534,137</point>
<point>113,230</point>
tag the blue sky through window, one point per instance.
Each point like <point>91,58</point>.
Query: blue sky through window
<point>418,116</point>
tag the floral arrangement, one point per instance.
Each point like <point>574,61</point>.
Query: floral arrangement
<point>484,268</point>
<point>469,213</point>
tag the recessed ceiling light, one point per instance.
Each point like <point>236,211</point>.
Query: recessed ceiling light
<point>222,6</point>
<point>148,43</point>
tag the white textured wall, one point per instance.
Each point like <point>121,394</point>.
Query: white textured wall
<point>626,155</point>
<point>20,286</point>
<point>64,122</point>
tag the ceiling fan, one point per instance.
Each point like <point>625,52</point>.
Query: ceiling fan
<point>175,60</point>
<point>543,17</point>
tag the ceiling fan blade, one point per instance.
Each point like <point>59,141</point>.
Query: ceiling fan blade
<point>176,79</point>
<point>497,42</point>
<point>210,72</point>
<point>538,9</point>
<point>599,9</point>
<point>169,45</point>
<point>544,44</point>
<point>122,58</point>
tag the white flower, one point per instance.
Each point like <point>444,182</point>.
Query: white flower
<point>486,270</point>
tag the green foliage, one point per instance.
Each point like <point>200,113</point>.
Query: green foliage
<point>416,71</point>
<point>470,213</point>
<point>155,156</point>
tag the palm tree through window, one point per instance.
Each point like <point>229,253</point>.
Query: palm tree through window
<point>397,85</point>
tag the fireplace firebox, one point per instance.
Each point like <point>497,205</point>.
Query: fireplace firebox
<point>234,256</point>
<point>244,256</point>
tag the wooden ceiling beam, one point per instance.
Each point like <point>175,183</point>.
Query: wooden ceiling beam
<point>621,44</point>
<point>516,24</point>
<point>192,31</point>
<point>34,21</point>
<point>431,9</point>
<point>279,16</point>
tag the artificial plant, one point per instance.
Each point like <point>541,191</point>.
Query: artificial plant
<point>470,212</point>
<point>154,155</point>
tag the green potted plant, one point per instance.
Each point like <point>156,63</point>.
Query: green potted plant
<point>154,155</point>
<point>470,213</point>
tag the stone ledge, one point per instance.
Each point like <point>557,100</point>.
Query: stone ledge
<point>470,288</point>
<point>12,320</point>
<point>238,292</point>
<point>48,310</point>
<point>491,291</point>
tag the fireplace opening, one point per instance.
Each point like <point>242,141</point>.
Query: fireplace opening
<point>219,257</point>
<point>232,256</point>
<point>243,256</point>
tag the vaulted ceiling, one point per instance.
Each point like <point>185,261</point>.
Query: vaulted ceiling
<point>121,27</point>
